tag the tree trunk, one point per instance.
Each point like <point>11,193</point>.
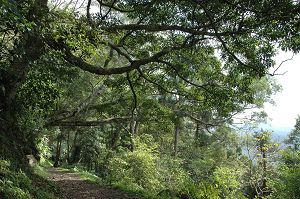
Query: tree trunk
<point>76,153</point>
<point>133,133</point>
<point>197,131</point>
<point>134,128</point>
<point>111,146</point>
<point>264,187</point>
<point>68,147</point>
<point>57,157</point>
<point>75,150</point>
<point>176,137</point>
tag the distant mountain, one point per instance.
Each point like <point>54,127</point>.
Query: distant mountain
<point>279,133</point>
<point>282,131</point>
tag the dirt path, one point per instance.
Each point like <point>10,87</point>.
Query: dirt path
<point>73,187</point>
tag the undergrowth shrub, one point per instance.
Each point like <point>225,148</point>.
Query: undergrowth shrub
<point>229,181</point>
<point>172,174</point>
<point>145,170</point>
<point>19,185</point>
<point>13,184</point>
<point>136,170</point>
<point>286,184</point>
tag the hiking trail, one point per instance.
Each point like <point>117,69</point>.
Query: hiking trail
<point>73,187</point>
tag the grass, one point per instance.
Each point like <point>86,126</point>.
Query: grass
<point>40,171</point>
<point>85,175</point>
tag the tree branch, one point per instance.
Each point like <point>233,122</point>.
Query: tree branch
<point>159,28</point>
<point>223,43</point>
<point>111,6</point>
<point>134,64</point>
<point>183,78</point>
<point>157,84</point>
<point>90,123</point>
<point>83,105</point>
<point>116,48</point>
<point>274,72</point>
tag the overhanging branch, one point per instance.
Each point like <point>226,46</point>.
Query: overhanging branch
<point>90,123</point>
<point>83,105</point>
<point>160,28</point>
<point>134,64</point>
<point>223,43</point>
<point>183,78</point>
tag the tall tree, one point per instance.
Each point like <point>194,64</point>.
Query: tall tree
<point>294,136</point>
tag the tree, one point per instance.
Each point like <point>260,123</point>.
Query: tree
<point>294,136</point>
<point>285,185</point>
<point>22,46</point>
<point>151,40</point>
<point>261,154</point>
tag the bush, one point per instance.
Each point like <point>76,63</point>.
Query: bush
<point>228,180</point>
<point>287,179</point>
<point>17,184</point>
<point>13,184</point>
<point>136,170</point>
<point>172,175</point>
<point>9,189</point>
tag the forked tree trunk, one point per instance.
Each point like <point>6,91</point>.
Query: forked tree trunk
<point>133,133</point>
<point>58,152</point>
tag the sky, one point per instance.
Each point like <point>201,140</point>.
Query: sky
<point>283,115</point>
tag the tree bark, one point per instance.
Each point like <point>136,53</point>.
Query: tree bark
<point>197,131</point>
<point>76,150</point>
<point>133,132</point>
<point>176,137</point>
<point>73,123</point>
<point>58,152</point>
<point>264,187</point>
<point>111,146</point>
<point>68,147</point>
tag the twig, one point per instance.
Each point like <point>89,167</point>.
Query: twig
<point>274,72</point>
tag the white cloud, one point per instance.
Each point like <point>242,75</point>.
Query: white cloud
<point>287,107</point>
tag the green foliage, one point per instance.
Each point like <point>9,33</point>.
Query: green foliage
<point>12,191</point>
<point>172,175</point>
<point>136,169</point>
<point>290,157</point>
<point>44,149</point>
<point>171,178</point>
<point>294,136</point>
<point>229,180</point>
<point>12,17</point>
<point>286,184</point>
<point>202,190</point>
<point>187,64</point>
<point>207,190</point>
<point>93,146</point>
<point>39,91</point>
<point>17,184</point>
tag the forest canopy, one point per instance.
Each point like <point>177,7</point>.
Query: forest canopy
<point>158,80</point>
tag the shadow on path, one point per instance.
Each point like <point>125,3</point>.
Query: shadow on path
<point>73,187</point>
